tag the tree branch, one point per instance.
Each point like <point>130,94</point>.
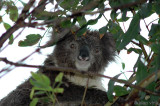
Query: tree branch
<point>71,70</point>
<point>132,96</point>
<point>19,23</point>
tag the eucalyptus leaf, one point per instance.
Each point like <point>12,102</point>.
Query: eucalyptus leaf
<point>11,38</point>
<point>13,13</point>
<point>120,91</point>
<point>59,77</point>
<point>123,66</point>
<point>34,102</point>
<point>138,51</point>
<point>103,30</point>
<point>141,72</point>
<point>58,90</point>
<point>81,31</point>
<point>30,40</point>
<point>146,10</point>
<point>154,33</point>
<point>132,32</point>
<point>111,88</point>
<point>66,23</point>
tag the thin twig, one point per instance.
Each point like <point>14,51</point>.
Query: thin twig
<point>85,91</point>
<point>37,50</point>
<point>150,60</point>
<point>153,21</point>
<point>105,17</point>
<point>146,24</point>
<point>135,43</point>
<point>143,50</point>
<point>13,40</point>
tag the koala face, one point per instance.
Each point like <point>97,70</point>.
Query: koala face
<point>87,53</point>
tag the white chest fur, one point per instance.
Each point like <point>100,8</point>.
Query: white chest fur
<point>82,81</point>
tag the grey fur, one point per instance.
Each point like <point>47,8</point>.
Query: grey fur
<point>96,52</point>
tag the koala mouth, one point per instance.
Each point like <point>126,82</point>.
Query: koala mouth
<point>82,64</point>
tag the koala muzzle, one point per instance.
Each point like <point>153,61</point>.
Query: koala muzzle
<point>84,53</point>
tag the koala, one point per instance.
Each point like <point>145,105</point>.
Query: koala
<point>86,53</point>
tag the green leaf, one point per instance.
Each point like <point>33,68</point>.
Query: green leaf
<point>132,32</point>
<point>103,30</point>
<point>156,62</point>
<point>81,20</point>
<point>32,93</point>
<point>138,51</point>
<point>41,87</point>
<point>59,77</point>
<point>34,102</point>
<point>142,39</point>
<point>141,72</point>
<point>111,88</point>
<point>156,8</point>
<point>40,92</point>
<point>123,66</point>
<point>124,14</point>
<point>7,26</point>
<point>11,39</point>
<point>120,91</point>
<point>66,23</point>
<point>82,30</point>
<point>155,33</point>
<point>92,22</point>
<point>155,47</point>
<point>114,15</point>
<point>68,4</point>
<point>85,2</point>
<point>116,30</point>
<point>40,82</point>
<point>30,40</point>
<point>115,3</point>
<point>146,10</point>
<point>58,90</point>
<point>13,13</point>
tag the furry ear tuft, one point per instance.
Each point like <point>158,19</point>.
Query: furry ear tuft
<point>57,34</point>
<point>109,41</point>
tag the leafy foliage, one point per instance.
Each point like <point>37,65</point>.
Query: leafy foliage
<point>42,85</point>
<point>70,12</point>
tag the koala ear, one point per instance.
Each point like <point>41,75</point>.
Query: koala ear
<point>57,34</point>
<point>109,42</point>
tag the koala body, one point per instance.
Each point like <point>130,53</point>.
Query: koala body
<point>86,53</point>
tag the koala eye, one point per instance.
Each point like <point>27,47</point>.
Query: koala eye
<point>97,50</point>
<point>72,45</point>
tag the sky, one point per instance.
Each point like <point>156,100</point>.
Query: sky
<point>15,53</point>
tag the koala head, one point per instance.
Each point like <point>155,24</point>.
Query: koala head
<point>86,52</point>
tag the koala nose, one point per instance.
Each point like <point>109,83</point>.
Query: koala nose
<point>84,53</point>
